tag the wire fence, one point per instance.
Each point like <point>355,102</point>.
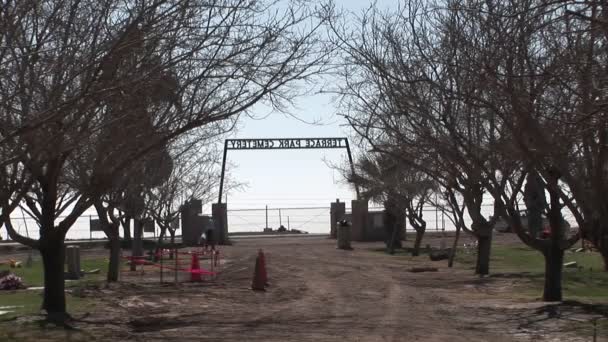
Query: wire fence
<point>311,219</point>
<point>308,219</point>
<point>81,230</point>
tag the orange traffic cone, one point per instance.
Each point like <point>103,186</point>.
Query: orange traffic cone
<point>258,283</point>
<point>195,268</point>
<point>263,272</point>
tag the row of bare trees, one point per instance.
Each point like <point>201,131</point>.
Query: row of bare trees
<point>498,98</point>
<point>188,168</point>
<point>96,98</point>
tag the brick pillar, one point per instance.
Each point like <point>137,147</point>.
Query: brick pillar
<point>192,228</point>
<point>336,213</point>
<point>359,219</point>
<point>219,213</point>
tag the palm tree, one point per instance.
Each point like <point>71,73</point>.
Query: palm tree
<point>402,189</point>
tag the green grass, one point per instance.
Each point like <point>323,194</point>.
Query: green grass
<point>26,302</point>
<point>34,276</point>
<point>588,282</point>
<point>29,301</point>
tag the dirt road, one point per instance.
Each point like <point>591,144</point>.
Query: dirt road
<point>319,293</point>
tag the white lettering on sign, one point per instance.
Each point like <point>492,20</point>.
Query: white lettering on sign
<point>258,144</point>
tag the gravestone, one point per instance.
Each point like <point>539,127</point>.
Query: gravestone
<point>72,254</point>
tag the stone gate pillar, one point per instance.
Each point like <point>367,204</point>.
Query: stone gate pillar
<point>336,213</point>
<point>219,213</point>
<point>192,224</point>
<point>359,219</point>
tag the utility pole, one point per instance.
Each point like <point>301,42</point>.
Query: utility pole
<point>288,223</point>
<point>267,216</point>
<point>280,220</point>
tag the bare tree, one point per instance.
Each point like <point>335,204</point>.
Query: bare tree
<point>454,206</point>
<point>399,96</point>
<point>134,75</point>
<point>552,91</point>
<point>474,86</point>
<point>529,87</point>
<point>125,200</point>
<point>196,175</point>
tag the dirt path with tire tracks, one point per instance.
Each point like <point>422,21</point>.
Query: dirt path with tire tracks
<point>317,293</point>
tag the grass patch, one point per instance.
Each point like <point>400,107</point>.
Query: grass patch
<point>34,276</point>
<point>586,282</point>
<point>28,302</point>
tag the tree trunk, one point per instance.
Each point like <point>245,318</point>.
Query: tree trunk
<point>601,242</point>
<point>137,247</point>
<point>114,265</point>
<point>172,233</point>
<point>53,258</point>
<point>161,235</point>
<point>604,254</point>
<point>393,242</point>
<point>126,228</point>
<point>418,242</point>
<point>391,219</point>
<point>454,246</point>
<point>484,244</point>
<point>554,259</point>
<point>552,251</point>
<point>159,242</point>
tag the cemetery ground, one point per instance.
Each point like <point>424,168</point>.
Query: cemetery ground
<point>320,293</point>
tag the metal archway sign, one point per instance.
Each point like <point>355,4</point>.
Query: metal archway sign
<point>284,144</point>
